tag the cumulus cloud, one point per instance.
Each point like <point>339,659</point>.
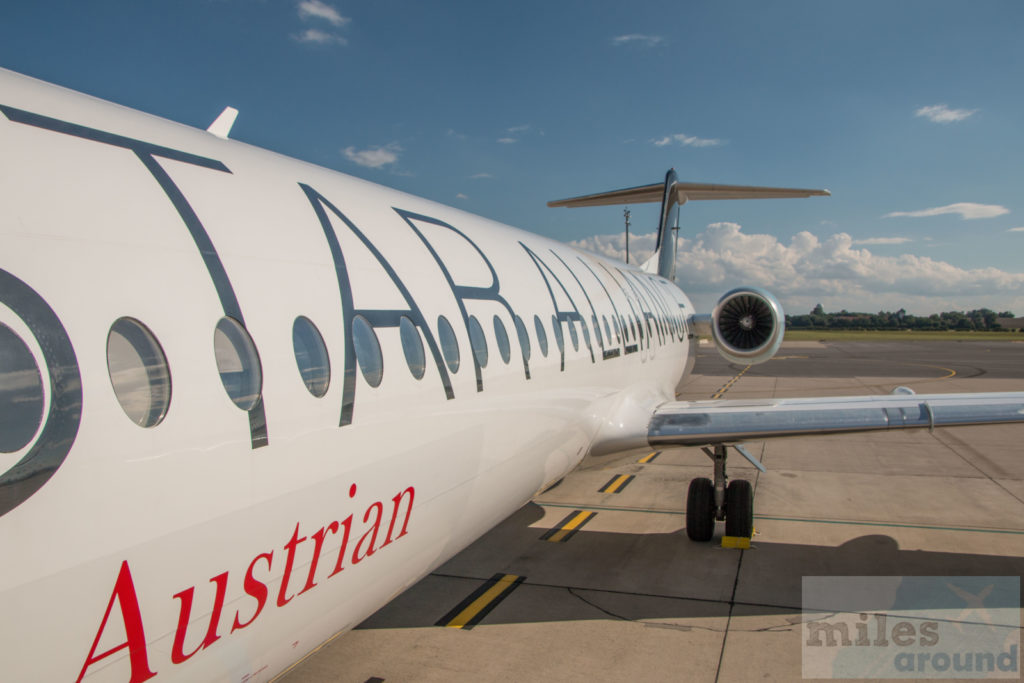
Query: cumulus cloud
<point>941,113</point>
<point>967,211</point>
<point>827,269</point>
<point>480,176</point>
<point>314,35</point>
<point>373,157</point>
<point>640,39</point>
<point>1020,229</point>
<point>513,134</point>
<point>883,240</point>
<point>315,9</point>
<point>686,141</point>
<point>461,196</point>
<point>614,246</point>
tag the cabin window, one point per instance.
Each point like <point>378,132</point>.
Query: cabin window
<point>138,372</point>
<point>478,341</point>
<point>21,392</point>
<point>501,339</point>
<point>556,329</point>
<point>524,338</point>
<point>574,336</point>
<point>368,354</point>
<point>311,356</point>
<point>542,336</point>
<point>238,363</point>
<point>449,344</point>
<point>412,344</point>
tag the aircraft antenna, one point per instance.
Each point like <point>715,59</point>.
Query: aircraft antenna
<point>221,127</point>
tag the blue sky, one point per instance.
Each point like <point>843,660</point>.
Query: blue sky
<point>912,113</point>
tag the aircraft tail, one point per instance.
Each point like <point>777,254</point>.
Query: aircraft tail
<point>673,194</point>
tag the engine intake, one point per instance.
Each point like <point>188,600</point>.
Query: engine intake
<point>748,325</point>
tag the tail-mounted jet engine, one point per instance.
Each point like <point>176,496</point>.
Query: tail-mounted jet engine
<point>747,325</point>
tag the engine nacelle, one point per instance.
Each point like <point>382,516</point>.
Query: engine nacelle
<point>748,325</point>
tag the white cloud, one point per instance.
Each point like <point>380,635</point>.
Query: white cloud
<point>614,246</point>
<point>461,196</point>
<point>810,269</point>
<point>686,141</point>
<point>1020,229</point>
<point>513,134</point>
<point>940,113</point>
<point>315,9</point>
<point>479,176</point>
<point>638,39</point>
<point>967,211</point>
<point>883,240</point>
<point>313,35</point>
<point>373,157</point>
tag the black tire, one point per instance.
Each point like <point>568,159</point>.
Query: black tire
<point>700,510</point>
<point>739,509</point>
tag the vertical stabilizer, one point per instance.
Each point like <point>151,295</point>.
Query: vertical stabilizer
<point>664,251</point>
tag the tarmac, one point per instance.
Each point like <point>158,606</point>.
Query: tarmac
<point>595,580</point>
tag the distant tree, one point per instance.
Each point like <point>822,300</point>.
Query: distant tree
<point>978,319</point>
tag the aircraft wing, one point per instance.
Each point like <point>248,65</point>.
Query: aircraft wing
<point>699,423</point>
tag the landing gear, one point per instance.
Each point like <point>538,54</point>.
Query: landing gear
<point>709,501</point>
<point>700,510</point>
<point>739,509</point>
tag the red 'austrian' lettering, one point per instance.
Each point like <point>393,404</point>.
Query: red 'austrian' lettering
<point>131,613</point>
<point>124,593</point>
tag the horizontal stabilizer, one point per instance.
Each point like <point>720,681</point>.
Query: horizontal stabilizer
<point>699,423</point>
<point>686,192</point>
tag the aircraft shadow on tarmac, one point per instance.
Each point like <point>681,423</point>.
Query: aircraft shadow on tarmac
<point>663,576</point>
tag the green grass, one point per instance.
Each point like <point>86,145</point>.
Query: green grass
<point>899,335</point>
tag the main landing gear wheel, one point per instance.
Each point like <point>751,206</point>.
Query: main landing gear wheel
<point>700,510</point>
<point>739,509</point>
<point>719,499</point>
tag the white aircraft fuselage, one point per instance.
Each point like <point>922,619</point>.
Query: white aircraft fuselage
<point>206,517</point>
